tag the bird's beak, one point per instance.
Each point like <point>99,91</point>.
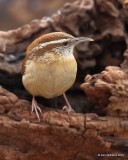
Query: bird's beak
<point>81,39</point>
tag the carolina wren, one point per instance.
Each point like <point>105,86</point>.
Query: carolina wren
<point>50,67</point>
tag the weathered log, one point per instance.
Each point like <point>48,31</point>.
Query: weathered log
<point>109,89</point>
<point>58,135</point>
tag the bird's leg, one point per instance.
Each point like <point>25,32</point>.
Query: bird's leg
<point>67,108</point>
<point>36,108</point>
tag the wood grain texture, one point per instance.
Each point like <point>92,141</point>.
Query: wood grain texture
<point>58,135</point>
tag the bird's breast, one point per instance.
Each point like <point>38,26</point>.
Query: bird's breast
<point>50,79</point>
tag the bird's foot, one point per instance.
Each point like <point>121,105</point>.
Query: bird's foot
<point>68,109</point>
<point>36,108</point>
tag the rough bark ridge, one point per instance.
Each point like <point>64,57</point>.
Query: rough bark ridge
<point>58,136</point>
<point>76,136</point>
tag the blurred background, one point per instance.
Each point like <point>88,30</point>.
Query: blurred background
<point>14,13</point>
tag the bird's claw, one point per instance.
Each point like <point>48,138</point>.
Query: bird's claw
<point>36,108</point>
<point>68,109</point>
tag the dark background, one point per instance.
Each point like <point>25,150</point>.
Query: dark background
<point>14,13</point>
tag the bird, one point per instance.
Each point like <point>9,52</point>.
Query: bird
<point>49,67</point>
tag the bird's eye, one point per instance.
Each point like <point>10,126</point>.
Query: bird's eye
<point>65,43</point>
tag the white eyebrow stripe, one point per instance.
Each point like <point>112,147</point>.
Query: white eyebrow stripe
<point>42,45</point>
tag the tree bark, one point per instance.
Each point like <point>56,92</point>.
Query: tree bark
<point>58,135</point>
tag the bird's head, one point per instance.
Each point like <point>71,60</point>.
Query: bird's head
<point>56,42</point>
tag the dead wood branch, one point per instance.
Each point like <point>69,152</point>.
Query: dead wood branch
<point>59,135</point>
<point>109,88</point>
<point>9,40</point>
